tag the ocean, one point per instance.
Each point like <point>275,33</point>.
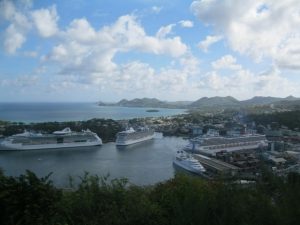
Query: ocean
<point>60,112</point>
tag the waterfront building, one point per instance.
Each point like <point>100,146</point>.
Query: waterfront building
<point>197,130</point>
<point>212,145</point>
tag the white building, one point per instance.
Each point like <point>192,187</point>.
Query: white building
<point>212,145</point>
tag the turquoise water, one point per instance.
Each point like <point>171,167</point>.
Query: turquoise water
<point>44,112</point>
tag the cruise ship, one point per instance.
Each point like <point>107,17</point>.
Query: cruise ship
<point>132,136</point>
<point>65,138</point>
<point>210,145</point>
<point>188,163</point>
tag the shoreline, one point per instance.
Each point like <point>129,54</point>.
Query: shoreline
<point>106,129</point>
<point>40,112</point>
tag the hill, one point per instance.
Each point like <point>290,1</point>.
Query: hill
<point>288,104</point>
<point>148,103</point>
<point>215,102</point>
<point>260,100</point>
<point>209,102</point>
<point>143,102</point>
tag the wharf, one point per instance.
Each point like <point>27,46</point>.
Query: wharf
<point>216,166</point>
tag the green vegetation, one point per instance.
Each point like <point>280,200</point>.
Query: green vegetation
<point>28,199</point>
<point>145,102</point>
<point>3,122</point>
<point>105,128</point>
<point>291,119</point>
<point>152,110</point>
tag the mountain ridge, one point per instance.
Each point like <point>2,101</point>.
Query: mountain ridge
<point>215,101</point>
<point>204,102</point>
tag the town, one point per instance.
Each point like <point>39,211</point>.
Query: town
<point>228,143</point>
<point>238,145</point>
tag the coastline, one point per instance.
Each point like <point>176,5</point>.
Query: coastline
<point>64,112</point>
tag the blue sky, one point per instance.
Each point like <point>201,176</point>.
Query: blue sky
<point>172,50</point>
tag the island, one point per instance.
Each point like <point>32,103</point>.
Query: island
<point>152,110</point>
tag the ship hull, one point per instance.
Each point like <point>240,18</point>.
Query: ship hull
<point>20,147</point>
<point>188,168</point>
<point>58,139</point>
<point>130,142</point>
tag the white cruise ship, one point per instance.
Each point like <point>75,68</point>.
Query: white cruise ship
<point>208,145</point>
<point>132,136</point>
<point>188,163</point>
<point>58,139</point>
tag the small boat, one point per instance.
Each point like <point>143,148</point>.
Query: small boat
<point>187,162</point>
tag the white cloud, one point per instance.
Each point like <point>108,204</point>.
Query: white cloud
<point>24,81</point>
<point>215,81</point>
<point>80,30</point>
<point>88,54</point>
<point>138,76</point>
<point>156,9</point>
<point>13,39</point>
<point>256,28</point>
<point>269,82</point>
<point>20,22</point>
<point>7,9</point>
<point>288,55</point>
<point>84,56</point>
<point>134,78</point>
<point>84,48</point>
<point>190,64</point>
<point>19,25</point>
<point>127,34</point>
<point>226,62</point>
<point>65,83</point>
<point>208,41</point>
<point>45,21</point>
<point>186,23</point>
<point>244,84</point>
<point>164,31</point>
<point>21,81</point>
<point>27,4</point>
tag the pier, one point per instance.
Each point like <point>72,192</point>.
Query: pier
<point>216,165</point>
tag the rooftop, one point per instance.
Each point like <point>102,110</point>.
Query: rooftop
<point>207,141</point>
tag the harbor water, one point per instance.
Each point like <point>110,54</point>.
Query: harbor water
<point>144,163</point>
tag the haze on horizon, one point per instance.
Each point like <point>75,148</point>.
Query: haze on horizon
<point>170,50</point>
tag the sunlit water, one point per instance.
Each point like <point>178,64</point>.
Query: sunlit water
<point>143,163</point>
<point>42,112</point>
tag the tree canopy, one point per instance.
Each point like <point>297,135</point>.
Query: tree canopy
<point>28,199</point>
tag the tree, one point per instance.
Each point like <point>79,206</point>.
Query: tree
<point>28,200</point>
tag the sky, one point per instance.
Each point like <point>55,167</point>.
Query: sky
<point>100,50</point>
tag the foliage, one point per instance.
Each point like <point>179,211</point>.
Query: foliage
<point>105,128</point>
<point>28,199</point>
<point>291,119</point>
<point>3,122</point>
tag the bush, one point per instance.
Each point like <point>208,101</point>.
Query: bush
<point>28,199</point>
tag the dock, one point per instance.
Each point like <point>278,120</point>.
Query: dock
<point>216,166</point>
